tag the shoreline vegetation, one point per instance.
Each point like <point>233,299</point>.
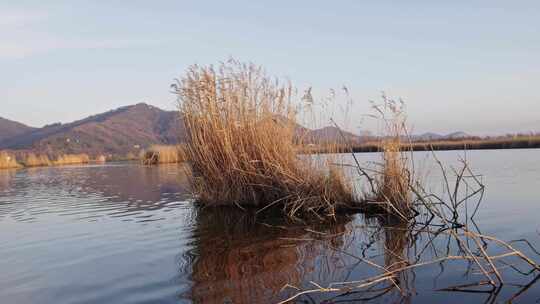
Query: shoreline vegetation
<point>16,160</point>
<point>154,155</point>
<point>8,161</point>
<point>163,154</point>
<point>475,143</point>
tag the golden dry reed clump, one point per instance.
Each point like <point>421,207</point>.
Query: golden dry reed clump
<point>241,128</point>
<point>133,156</point>
<point>8,161</point>
<point>71,159</point>
<point>33,160</point>
<point>162,154</point>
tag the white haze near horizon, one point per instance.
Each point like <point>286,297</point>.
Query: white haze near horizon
<point>469,66</point>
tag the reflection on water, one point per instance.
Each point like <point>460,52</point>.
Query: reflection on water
<point>6,177</point>
<point>101,190</point>
<point>129,234</point>
<point>240,259</point>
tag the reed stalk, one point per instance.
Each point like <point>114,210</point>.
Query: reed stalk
<point>395,179</point>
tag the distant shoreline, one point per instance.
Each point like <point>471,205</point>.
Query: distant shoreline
<point>521,142</point>
<point>476,144</point>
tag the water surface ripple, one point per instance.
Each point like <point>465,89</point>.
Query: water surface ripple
<point>124,233</point>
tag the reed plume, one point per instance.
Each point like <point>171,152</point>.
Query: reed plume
<point>395,178</point>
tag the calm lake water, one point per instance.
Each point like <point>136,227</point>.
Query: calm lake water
<point>123,233</point>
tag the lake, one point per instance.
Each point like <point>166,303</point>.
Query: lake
<point>125,233</point>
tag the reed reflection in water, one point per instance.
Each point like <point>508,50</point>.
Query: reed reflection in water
<point>238,257</point>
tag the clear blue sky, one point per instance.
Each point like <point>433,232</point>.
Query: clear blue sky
<point>460,65</point>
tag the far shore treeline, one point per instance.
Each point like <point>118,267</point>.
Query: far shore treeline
<point>519,141</point>
<point>321,143</point>
<point>142,131</point>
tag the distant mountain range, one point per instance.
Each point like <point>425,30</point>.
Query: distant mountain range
<point>434,136</point>
<point>11,129</point>
<point>117,132</point>
<point>132,128</point>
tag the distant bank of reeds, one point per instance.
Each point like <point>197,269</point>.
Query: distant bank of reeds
<point>8,161</point>
<point>71,159</point>
<point>241,144</point>
<point>489,143</point>
<point>506,142</point>
<point>162,154</point>
<point>31,159</point>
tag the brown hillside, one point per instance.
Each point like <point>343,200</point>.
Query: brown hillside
<point>331,135</point>
<point>117,132</point>
<point>10,129</point>
<point>124,130</point>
